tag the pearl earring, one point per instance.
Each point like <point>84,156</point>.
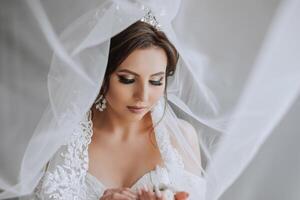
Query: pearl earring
<point>100,103</point>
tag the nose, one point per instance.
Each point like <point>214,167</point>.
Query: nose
<point>142,93</point>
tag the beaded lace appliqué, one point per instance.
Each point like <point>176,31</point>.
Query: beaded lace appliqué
<point>67,181</point>
<point>170,155</point>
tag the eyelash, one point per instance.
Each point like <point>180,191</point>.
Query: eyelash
<point>130,81</point>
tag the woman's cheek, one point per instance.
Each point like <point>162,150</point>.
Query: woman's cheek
<point>120,93</point>
<point>157,94</point>
<point>117,93</point>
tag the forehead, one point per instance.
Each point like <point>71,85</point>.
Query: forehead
<point>145,61</point>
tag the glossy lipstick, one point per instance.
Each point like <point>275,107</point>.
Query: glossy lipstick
<point>136,109</point>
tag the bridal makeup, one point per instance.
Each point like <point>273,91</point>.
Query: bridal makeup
<point>138,83</point>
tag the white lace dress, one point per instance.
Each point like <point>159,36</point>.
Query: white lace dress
<point>67,178</point>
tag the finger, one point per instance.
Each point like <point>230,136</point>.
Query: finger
<point>148,195</point>
<point>144,195</point>
<point>157,192</point>
<point>145,188</point>
<point>125,191</point>
<point>129,194</point>
<point>107,191</point>
<point>139,191</point>
<point>111,190</point>
<point>130,191</point>
<point>141,195</point>
<point>160,198</point>
<point>150,190</point>
<point>119,196</point>
<point>181,195</point>
<point>144,191</point>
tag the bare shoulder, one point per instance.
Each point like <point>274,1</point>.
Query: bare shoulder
<point>189,132</point>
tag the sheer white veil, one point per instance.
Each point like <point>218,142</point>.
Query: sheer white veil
<point>233,95</point>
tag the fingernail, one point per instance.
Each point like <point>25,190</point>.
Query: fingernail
<point>145,188</point>
<point>181,195</point>
<point>150,188</point>
<point>187,194</point>
<point>139,191</point>
<point>159,194</point>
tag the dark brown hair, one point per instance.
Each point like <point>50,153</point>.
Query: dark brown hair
<point>139,35</point>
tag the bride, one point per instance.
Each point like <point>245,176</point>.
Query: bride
<point>134,106</point>
<point>121,150</point>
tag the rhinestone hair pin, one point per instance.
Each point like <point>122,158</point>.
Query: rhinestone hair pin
<point>149,18</point>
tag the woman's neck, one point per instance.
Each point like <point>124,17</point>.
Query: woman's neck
<point>109,122</point>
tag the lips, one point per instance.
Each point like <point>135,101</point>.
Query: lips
<point>136,109</point>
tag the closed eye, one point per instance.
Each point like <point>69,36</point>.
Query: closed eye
<point>124,80</point>
<point>157,83</point>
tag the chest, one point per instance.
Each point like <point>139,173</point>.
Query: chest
<point>121,164</point>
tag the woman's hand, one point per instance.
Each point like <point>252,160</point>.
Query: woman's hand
<point>181,196</point>
<point>119,194</point>
<point>147,193</point>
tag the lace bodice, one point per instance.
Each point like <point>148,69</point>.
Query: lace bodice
<point>67,177</point>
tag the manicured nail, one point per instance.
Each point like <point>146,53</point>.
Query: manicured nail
<point>158,193</point>
<point>145,188</point>
<point>181,195</point>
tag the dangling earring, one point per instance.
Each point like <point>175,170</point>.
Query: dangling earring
<point>100,103</point>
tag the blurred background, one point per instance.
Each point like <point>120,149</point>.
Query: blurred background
<point>233,34</point>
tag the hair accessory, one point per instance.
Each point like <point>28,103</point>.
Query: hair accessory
<point>149,18</point>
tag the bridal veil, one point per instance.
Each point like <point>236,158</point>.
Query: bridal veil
<point>237,79</point>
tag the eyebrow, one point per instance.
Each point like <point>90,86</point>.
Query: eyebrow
<point>131,72</point>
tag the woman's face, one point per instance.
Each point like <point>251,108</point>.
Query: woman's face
<point>138,83</point>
